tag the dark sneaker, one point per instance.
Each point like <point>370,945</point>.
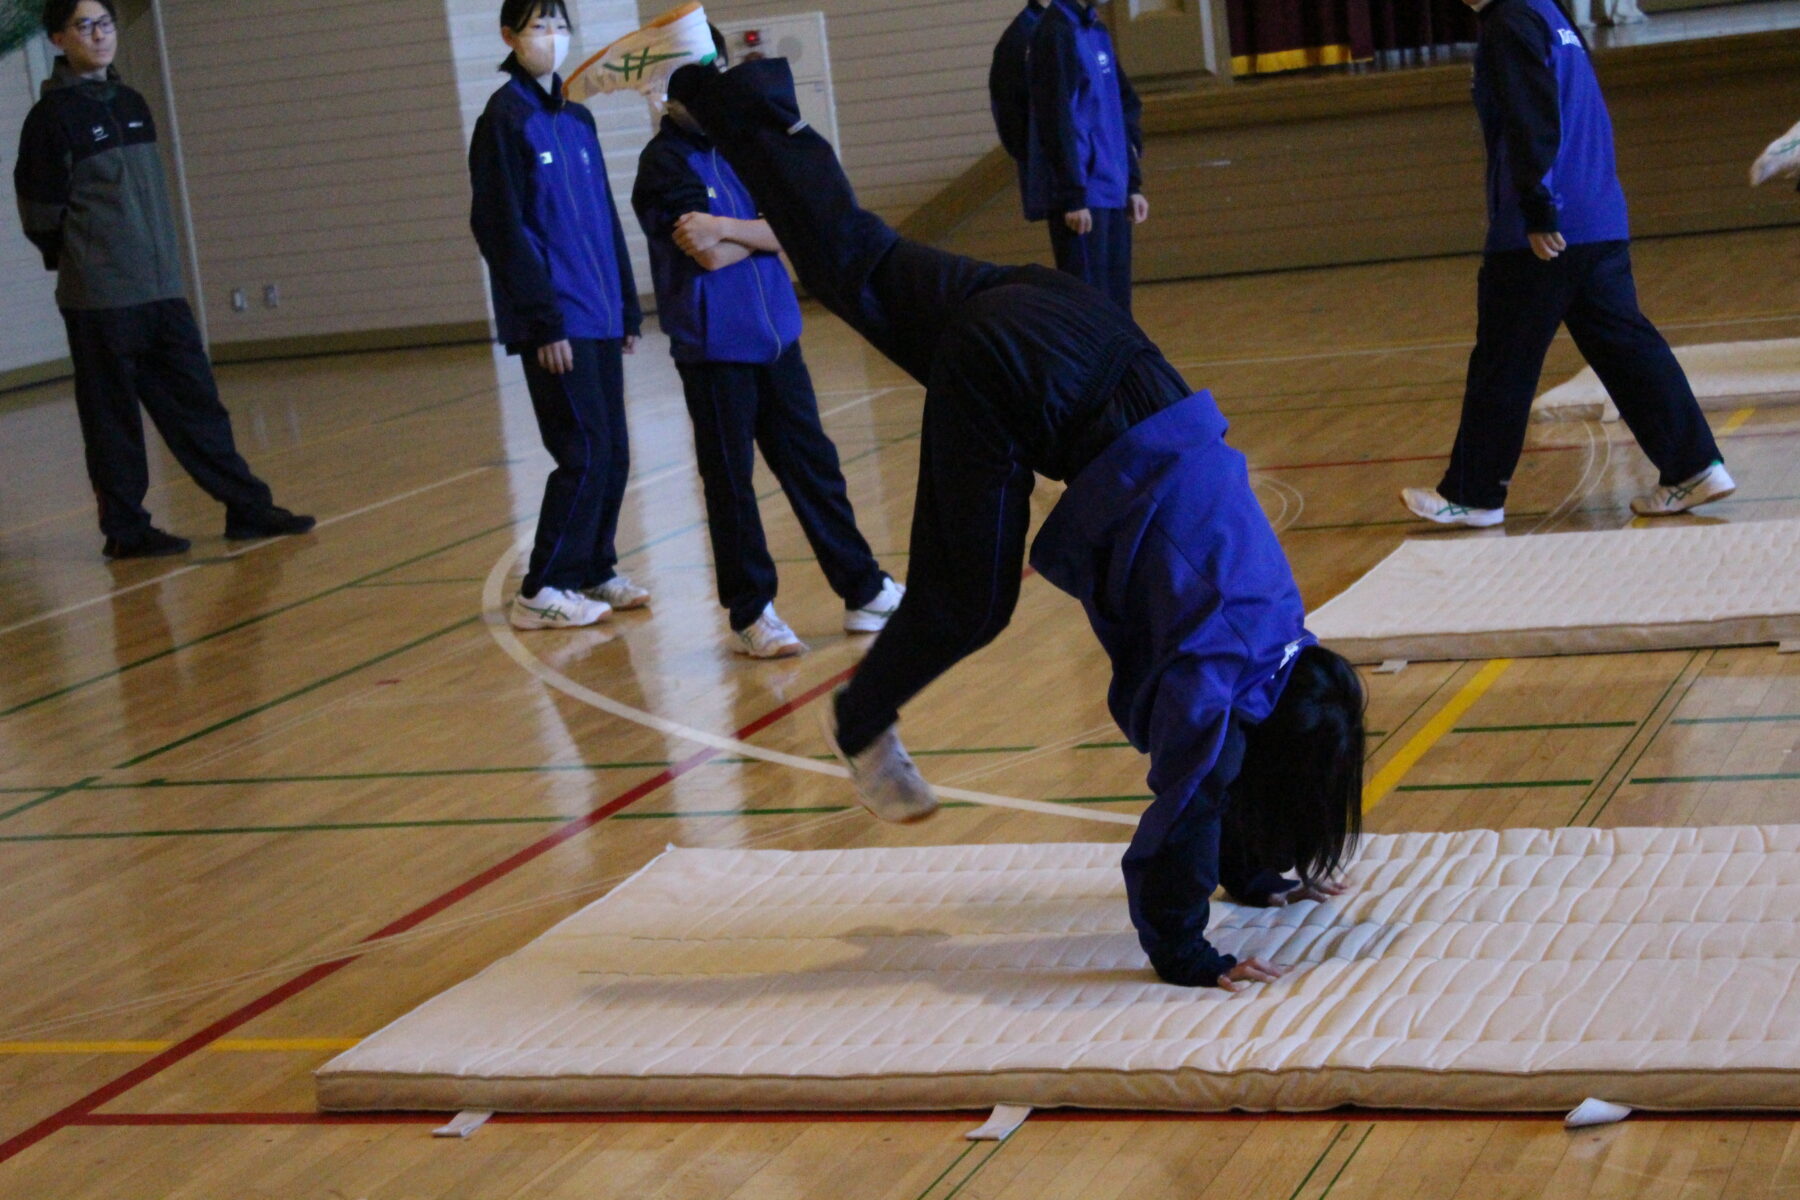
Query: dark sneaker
<point>243,523</point>
<point>151,543</point>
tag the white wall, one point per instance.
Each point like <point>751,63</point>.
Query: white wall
<point>911,82</point>
<point>324,155</point>
<point>34,331</point>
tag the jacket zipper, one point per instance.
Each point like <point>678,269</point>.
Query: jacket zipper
<point>606,285</point>
<point>755,268</point>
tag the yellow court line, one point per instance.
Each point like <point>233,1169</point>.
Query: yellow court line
<point>1735,422</point>
<point>223,1044</point>
<point>1377,789</point>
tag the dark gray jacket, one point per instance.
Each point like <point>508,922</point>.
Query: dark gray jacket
<point>92,195</point>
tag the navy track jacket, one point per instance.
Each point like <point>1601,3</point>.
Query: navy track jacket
<point>1549,138</point>
<point>1009,86</point>
<point>544,218</point>
<point>743,313</point>
<point>1085,141</point>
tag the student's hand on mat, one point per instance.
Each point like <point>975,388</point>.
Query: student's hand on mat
<point>558,358</point>
<point>1081,221</point>
<point>1547,245</point>
<point>631,341</point>
<point>1140,208</point>
<point>1251,970</point>
<point>698,232</point>
<point>1321,889</point>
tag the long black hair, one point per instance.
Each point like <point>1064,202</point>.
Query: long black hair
<point>516,14</point>
<point>1297,802</point>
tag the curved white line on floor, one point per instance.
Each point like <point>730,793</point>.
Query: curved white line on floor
<point>494,611</point>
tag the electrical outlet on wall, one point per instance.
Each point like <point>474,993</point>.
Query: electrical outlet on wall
<point>271,295</point>
<point>239,301</point>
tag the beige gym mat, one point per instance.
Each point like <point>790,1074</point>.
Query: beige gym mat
<point>1523,969</point>
<point>1659,588</point>
<point>1723,374</point>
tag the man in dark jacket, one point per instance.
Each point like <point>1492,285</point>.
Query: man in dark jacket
<point>1558,251</point>
<point>92,197</point>
<point>1081,171</point>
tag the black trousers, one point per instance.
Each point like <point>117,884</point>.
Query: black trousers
<point>972,512</point>
<point>151,354</point>
<point>736,408</point>
<point>1521,302</point>
<point>581,415</point>
<point>1101,258</point>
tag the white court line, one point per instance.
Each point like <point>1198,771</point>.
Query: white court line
<point>66,609</point>
<point>509,641</point>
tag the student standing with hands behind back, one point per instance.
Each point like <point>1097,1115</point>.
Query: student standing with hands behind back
<point>566,302</point>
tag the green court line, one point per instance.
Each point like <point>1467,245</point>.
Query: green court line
<point>955,1191</point>
<point>359,776</point>
<point>1371,752</point>
<point>249,621</point>
<point>1103,746</point>
<point>47,797</point>
<point>729,812</point>
<point>1347,1161</point>
<point>1753,777</point>
<point>23,791</point>
<point>967,1150</point>
<point>1623,750</point>
<point>1547,725</point>
<point>393,583</point>
<point>314,686</point>
<point>315,827</point>
<point>1492,787</point>
<point>1734,720</point>
<point>1319,1161</point>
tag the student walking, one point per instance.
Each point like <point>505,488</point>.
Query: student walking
<point>1558,252</point>
<point>724,299</point>
<point>1081,169</point>
<point>565,301</point>
<point>1254,732</point>
<point>93,199</point>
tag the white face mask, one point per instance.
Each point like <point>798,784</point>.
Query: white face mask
<point>542,54</point>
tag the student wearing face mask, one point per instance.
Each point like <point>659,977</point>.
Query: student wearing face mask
<point>566,302</point>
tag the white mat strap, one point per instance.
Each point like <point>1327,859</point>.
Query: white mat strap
<point>1001,1124</point>
<point>464,1123</point>
<point>1391,666</point>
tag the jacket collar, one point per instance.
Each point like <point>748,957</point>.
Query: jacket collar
<point>62,76</point>
<point>552,99</point>
<point>670,127</point>
<point>1085,15</point>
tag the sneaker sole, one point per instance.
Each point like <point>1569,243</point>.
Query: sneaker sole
<point>785,650</point>
<point>1467,522</point>
<point>529,623</point>
<point>864,624</point>
<point>1676,512</point>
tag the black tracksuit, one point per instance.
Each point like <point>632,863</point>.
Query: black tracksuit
<point>1026,371</point>
<point>93,199</point>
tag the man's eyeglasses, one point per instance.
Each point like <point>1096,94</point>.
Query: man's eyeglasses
<point>97,27</point>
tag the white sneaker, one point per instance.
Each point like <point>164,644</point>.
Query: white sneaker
<point>644,60</point>
<point>767,637</point>
<point>1426,503</point>
<point>619,592</point>
<point>887,782</point>
<point>554,608</point>
<point>873,616</point>
<point>1714,483</point>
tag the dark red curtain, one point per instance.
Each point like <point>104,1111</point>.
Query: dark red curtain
<point>1289,35</point>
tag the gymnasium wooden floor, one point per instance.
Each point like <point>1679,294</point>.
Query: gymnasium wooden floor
<point>257,802</point>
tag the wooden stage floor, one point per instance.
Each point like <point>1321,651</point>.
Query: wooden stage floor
<point>257,802</point>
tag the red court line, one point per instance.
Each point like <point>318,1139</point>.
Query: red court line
<point>952,1116</point>
<point>1371,462</point>
<point>81,1112</point>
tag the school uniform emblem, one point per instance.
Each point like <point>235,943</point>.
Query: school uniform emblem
<point>100,133</point>
<point>546,158</point>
